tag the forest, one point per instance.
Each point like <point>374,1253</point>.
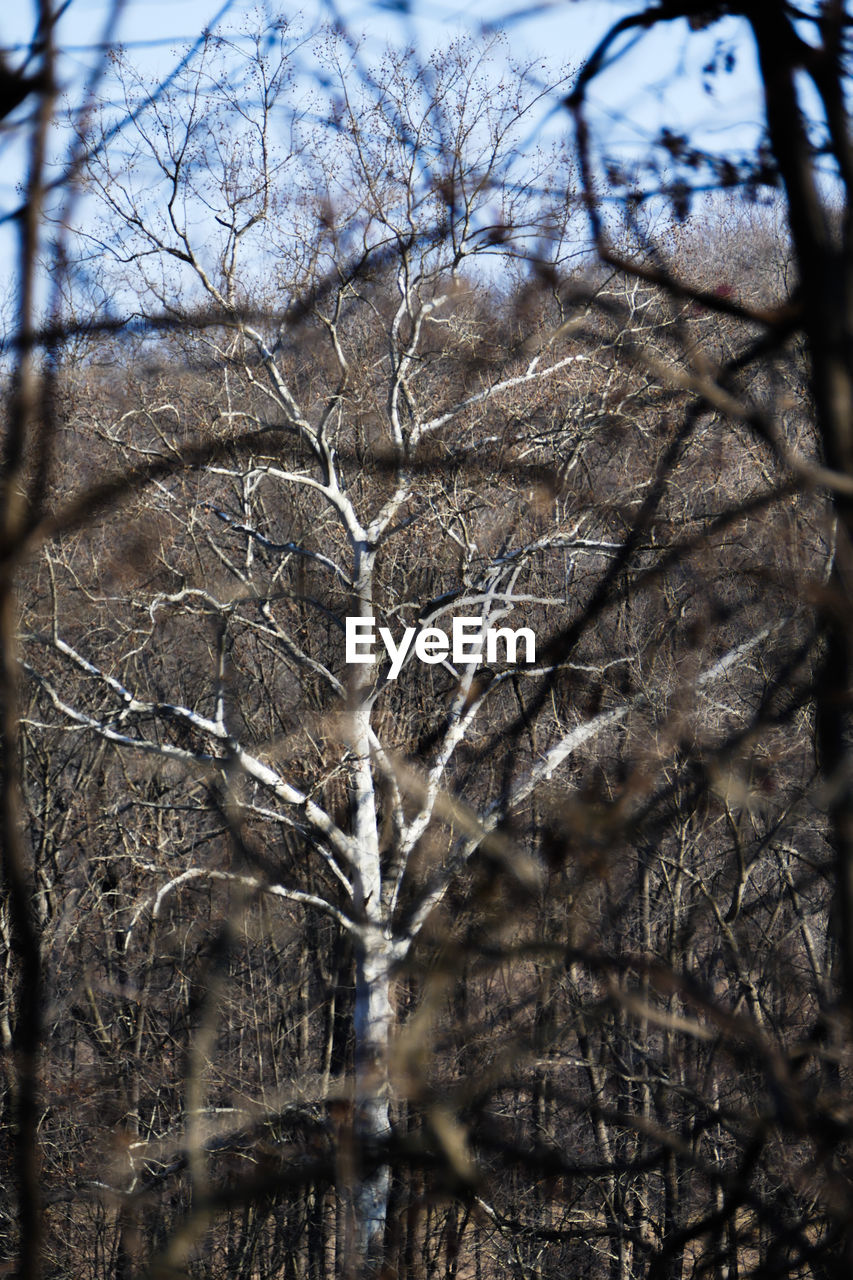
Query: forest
<point>412,960</point>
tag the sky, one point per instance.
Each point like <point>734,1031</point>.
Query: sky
<point>658,81</point>
<point>662,74</point>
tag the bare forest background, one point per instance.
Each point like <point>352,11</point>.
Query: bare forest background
<point>541,971</point>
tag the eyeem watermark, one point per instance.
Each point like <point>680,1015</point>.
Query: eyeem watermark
<point>465,643</point>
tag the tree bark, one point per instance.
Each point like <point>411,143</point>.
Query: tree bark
<point>373,1014</point>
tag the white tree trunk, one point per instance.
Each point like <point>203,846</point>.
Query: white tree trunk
<point>373,1015</point>
<point>374,961</point>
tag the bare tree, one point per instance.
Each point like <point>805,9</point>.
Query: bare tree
<point>471,961</point>
<point>309,535</point>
